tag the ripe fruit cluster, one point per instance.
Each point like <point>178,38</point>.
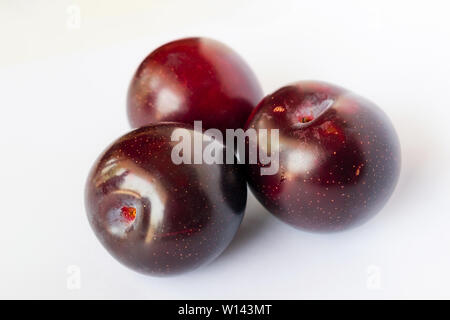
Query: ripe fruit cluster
<point>339,160</point>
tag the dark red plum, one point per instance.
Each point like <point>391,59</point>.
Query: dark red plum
<point>193,79</point>
<point>339,157</point>
<point>158,217</point>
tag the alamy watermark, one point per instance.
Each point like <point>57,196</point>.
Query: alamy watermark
<point>73,21</point>
<point>73,281</point>
<point>253,147</point>
<point>373,281</point>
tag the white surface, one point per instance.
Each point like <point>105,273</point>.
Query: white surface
<point>62,102</point>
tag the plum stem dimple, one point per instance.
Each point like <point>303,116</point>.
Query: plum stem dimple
<point>129,213</point>
<point>306,119</point>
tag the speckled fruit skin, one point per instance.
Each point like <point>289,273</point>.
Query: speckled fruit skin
<point>339,157</point>
<point>157,217</point>
<point>193,79</point>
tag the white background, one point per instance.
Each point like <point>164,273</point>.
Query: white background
<point>62,99</point>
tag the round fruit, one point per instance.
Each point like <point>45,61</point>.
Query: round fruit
<point>339,157</point>
<point>193,79</point>
<point>158,217</point>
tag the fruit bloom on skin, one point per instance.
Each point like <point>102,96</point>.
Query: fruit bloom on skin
<point>157,217</point>
<point>339,157</point>
<point>193,79</point>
